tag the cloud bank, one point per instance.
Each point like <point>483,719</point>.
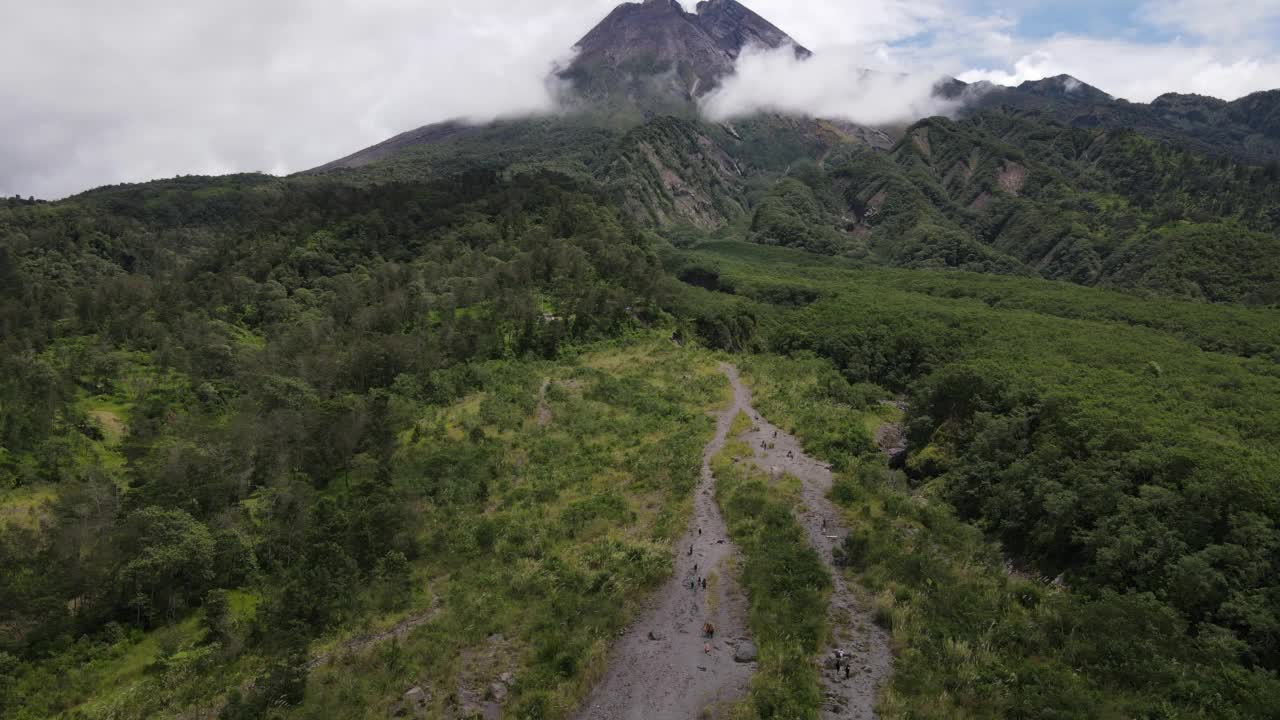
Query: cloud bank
<point>106,92</point>
<point>834,84</point>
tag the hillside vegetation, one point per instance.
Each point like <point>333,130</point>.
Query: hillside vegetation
<point>1133,466</point>
<point>292,447</point>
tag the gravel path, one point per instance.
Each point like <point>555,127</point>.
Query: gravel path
<point>854,634</point>
<point>663,667</point>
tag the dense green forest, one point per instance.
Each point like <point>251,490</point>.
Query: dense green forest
<point>1013,195</point>
<point>218,395</point>
<point>288,447</point>
<point>1018,194</point>
<point>1123,468</point>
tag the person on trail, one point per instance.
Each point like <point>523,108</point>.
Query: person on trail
<point>690,551</point>
<point>824,523</point>
<point>846,671</point>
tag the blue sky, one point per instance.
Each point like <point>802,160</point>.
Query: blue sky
<point>1083,17</point>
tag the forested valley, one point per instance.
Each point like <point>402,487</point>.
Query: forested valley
<point>244,419</point>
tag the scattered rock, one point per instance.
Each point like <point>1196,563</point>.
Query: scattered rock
<point>413,703</point>
<point>746,652</point>
<point>499,691</point>
<point>656,636</point>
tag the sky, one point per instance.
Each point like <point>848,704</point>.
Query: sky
<point>94,93</point>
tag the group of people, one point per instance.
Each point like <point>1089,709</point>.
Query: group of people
<point>843,660</point>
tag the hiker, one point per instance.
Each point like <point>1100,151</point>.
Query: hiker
<point>709,630</point>
<point>846,671</point>
<point>704,583</point>
<point>775,434</point>
<point>824,523</point>
<point>690,551</point>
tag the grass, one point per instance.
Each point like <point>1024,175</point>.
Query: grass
<point>785,581</point>
<point>536,545</point>
<point>571,532</point>
<point>26,507</point>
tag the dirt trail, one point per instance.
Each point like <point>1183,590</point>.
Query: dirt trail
<point>663,668</point>
<point>854,632</point>
<point>544,410</point>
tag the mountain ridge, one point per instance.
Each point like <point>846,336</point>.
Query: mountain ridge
<point>654,58</point>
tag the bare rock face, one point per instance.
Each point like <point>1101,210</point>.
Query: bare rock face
<point>734,27</point>
<point>655,48</point>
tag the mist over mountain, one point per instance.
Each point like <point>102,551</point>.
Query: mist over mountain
<point>725,62</point>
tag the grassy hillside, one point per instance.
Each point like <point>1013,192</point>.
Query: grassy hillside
<point>515,533</point>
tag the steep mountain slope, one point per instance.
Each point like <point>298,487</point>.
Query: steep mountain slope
<point>1247,130</point>
<point>1001,193</point>
<point>654,54</point>
<point>1047,178</point>
<point>644,60</point>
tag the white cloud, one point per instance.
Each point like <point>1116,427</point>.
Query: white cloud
<point>104,92</point>
<point>1138,72</point>
<point>1223,20</point>
<point>831,84</point>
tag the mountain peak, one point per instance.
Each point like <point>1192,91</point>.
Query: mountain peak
<point>1064,85</point>
<point>655,51</point>
<point>734,27</point>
